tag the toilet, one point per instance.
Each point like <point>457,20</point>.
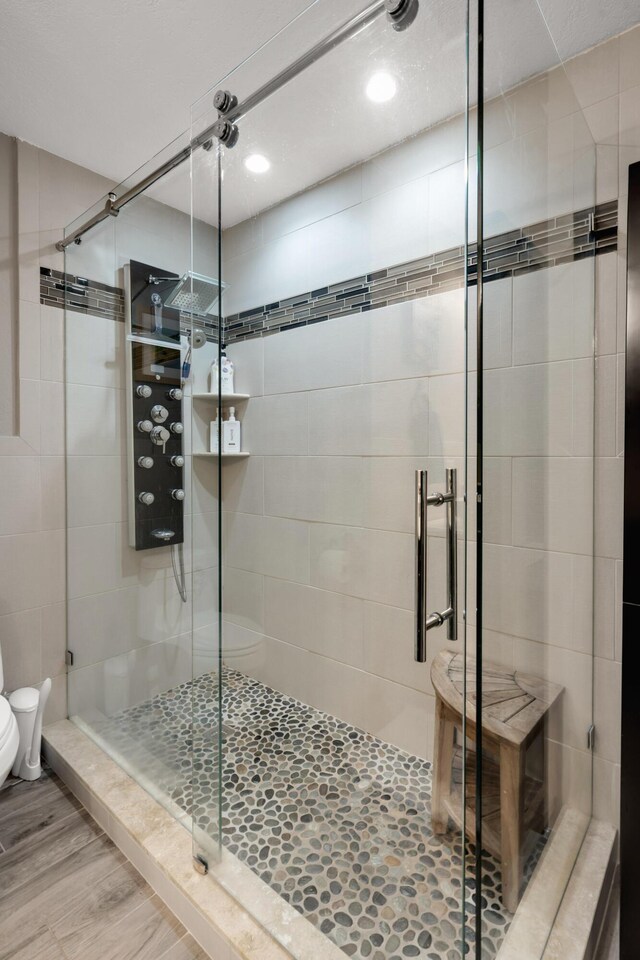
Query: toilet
<point>9,734</point>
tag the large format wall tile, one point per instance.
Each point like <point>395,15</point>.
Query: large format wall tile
<point>315,357</point>
<point>268,545</point>
<point>539,595</point>
<point>329,624</point>
<point>372,564</point>
<point>553,503</point>
<point>276,425</point>
<point>95,421</point>
<point>243,598</point>
<point>541,410</point>
<point>379,419</point>
<point>418,338</point>
<point>553,314</point>
<point>32,570</point>
<point>96,490</point>
<point>95,351</point>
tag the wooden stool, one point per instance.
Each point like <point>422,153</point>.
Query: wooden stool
<point>514,706</point>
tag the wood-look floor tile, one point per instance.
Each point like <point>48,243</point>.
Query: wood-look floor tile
<point>47,949</point>
<point>67,893</point>
<point>146,933</point>
<point>32,857</point>
<point>31,941</point>
<point>17,794</point>
<point>92,912</point>
<point>48,894</point>
<point>186,949</point>
<point>22,825</point>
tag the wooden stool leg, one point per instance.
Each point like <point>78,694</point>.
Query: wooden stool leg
<point>512,770</point>
<point>444,741</point>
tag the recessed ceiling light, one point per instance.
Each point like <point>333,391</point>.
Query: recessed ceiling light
<point>256,163</point>
<point>381,87</point>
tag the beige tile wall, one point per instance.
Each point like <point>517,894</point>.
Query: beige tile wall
<point>8,284</point>
<point>607,81</point>
<point>334,442</point>
<point>50,192</point>
<point>130,632</point>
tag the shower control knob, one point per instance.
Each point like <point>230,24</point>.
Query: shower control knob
<point>146,498</point>
<point>145,462</point>
<point>159,436</point>
<point>145,426</point>
<point>159,413</point>
<point>143,390</point>
<point>177,494</point>
<point>176,427</point>
<point>175,393</point>
<point>177,460</point>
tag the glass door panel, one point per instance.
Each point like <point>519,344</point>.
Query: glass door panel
<point>536,448</point>
<point>342,231</point>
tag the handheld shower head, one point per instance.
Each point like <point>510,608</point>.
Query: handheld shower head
<point>198,339</point>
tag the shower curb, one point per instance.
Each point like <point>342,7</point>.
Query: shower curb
<point>578,924</point>
<point>562,910</point>
<point>161,849</point>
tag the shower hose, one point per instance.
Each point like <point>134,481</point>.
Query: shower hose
<point>177,562</point>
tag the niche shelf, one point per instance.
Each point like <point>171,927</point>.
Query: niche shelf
<point>203,414</point>
<point>227,398</point>
<point>224,456</point>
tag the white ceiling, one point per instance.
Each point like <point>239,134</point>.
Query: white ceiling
<point>108,84</point>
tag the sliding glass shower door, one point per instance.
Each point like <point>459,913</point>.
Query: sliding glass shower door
<point>542,233</point>
<point>342,577</point>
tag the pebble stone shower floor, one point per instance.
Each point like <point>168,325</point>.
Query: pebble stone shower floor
<point>336,821</point>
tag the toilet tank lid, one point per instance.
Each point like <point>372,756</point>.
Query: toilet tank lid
<point>24,700</point>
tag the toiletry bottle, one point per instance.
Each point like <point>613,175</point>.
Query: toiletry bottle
<point>231,433</point>
<point>222,374</point>
<point>226,373</point>
<point>213,378</point>
<point>214,434</point>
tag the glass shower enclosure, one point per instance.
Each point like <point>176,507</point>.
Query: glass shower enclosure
<point>343,519</point>
<point>356,662</point>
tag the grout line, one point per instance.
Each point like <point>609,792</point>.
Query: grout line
<point>57,942</point>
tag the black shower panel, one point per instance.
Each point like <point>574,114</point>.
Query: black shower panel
<point>155,443</point>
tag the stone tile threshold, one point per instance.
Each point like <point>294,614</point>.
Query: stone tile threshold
<point>559,917</point>
<point>563,909</point>
<point>161,850</point>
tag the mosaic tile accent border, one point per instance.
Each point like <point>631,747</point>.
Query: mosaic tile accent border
<point>82,295</point>
<point>548,243</point>
<point>89,296</point>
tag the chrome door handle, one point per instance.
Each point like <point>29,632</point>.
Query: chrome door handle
<point>423,620</point>
<point>421,566</point>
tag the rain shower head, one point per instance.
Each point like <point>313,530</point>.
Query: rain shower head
<point>195,293</point>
